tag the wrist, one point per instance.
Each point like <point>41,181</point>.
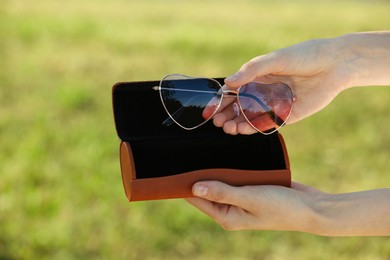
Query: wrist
<point>364,58</point>
<point>362,213</point>
<point>318,217</point>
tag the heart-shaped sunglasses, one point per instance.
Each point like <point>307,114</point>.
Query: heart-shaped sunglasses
<point>191,102</point>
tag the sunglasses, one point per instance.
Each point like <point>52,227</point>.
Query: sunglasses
<point>191,102</point>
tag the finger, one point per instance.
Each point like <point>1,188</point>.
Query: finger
<point>210,108</point>
<point>255,68</point>
<point>230,127</point>
<point>222,193</point>
<point>226,104</point>
<point>228,216</point>
<point>213,106</point>
<point>245,128</point>
<point>221,118</point>
<point>229,206</point>
<point>227,114</point>
<point>263,122</point>
<point>204,205</point>
<point>226,99</point>
<point>207,207</point>
<point>238,125</point>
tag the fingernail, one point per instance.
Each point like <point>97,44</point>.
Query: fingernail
<point>232,78</point>
<point>200,190</point>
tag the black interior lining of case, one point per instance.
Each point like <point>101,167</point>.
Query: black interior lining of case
<point>232,152</point>
<point>161,151</point>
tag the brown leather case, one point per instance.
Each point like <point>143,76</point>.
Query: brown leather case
<point>163,162</point>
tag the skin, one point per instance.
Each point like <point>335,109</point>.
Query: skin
<point>317,71</point>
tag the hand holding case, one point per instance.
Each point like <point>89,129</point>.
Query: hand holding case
<point>162,162</point>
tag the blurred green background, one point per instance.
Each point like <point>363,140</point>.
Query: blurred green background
<point>61,194</point>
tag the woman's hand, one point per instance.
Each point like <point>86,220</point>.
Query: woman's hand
<point>299,208</point>
<point>257,207</point>
<point>316,70</point>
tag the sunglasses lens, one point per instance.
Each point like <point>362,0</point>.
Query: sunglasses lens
<point>266,106</point>
<point>190,102</point>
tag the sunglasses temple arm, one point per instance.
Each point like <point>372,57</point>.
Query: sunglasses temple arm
<point>273,116</point>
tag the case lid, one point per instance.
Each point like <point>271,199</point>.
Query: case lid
<point>139,114</point>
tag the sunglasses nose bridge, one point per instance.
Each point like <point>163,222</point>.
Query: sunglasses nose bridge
<point>229,92</point>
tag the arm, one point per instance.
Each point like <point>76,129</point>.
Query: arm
<point>369,57</point>
<point>300,208</point>
<point>317,71</point>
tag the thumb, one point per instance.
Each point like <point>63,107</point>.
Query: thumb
<point>221,193</point>
<point>255,68</point>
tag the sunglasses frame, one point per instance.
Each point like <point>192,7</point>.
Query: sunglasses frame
<point>226,93</point>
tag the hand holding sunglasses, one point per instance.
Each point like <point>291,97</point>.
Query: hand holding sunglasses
<point>191,102</point>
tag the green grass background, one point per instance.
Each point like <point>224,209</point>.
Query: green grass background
<point>61,195</point>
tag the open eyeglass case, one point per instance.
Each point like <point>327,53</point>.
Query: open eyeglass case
<point>163,162</point>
